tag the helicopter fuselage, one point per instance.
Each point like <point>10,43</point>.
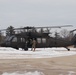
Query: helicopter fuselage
<point>22,40</point>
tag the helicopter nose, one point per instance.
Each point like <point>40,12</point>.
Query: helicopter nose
<point>2,44</point>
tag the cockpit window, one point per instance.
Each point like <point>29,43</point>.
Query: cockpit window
<point>8,38</point>
<point>14,39</point>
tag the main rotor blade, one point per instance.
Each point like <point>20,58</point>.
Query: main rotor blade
<point>27,27</point>
<point>72,30</point>
<point>56,26</point>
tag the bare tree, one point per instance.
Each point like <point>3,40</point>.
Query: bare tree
<point>57,35</point>
<point>65,33</point>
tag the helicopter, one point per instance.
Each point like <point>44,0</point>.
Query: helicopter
<point>22,38</point>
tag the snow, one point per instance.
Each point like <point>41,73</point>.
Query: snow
<point>34,73</point>
<point>26,73</point>
<point>10,53</point>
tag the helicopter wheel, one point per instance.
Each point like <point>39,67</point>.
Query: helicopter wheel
<point>17,48</point>
<point>26,48</point>
<point>67,48</point>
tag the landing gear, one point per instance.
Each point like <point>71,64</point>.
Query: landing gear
<point>26,48</point>
<point>67,48</point>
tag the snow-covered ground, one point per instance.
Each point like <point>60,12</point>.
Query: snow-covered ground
<point>10,53</point>
<point>35,73</point>
<point>25,73</point>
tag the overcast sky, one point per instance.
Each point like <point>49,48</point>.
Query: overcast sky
<point>20,13</point>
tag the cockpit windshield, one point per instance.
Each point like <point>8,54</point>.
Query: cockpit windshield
<point>8,38</point>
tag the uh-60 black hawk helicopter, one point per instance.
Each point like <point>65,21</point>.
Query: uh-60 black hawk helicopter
<point>21,39</point>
